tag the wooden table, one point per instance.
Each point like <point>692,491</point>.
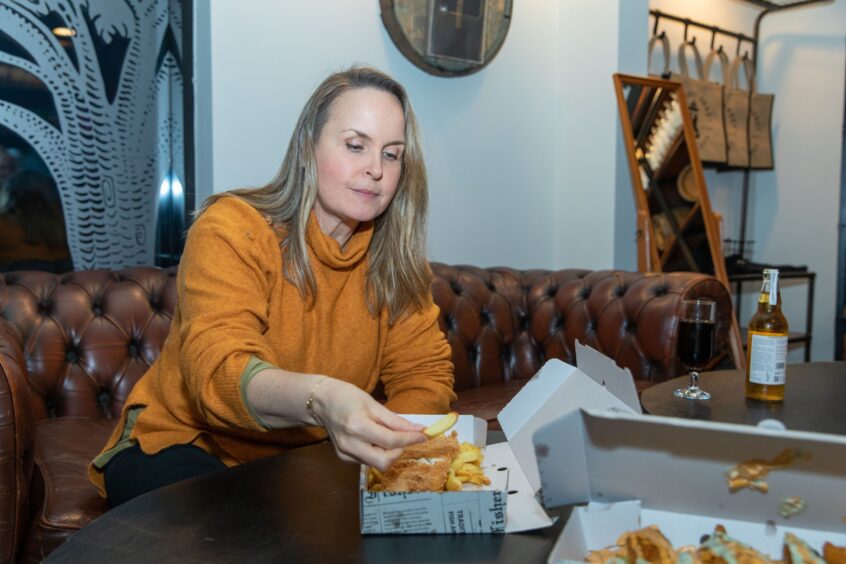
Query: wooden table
<point>815,399</point>
<point>301,506</point>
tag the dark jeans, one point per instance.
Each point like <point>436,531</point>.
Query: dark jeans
<point>132,473</point>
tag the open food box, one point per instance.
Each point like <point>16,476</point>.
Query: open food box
<point>473,510</point>
<point>687,477</point>
<point>509,503</point>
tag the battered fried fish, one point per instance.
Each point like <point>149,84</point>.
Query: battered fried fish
<point>422,467</point>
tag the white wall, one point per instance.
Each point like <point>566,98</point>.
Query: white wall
<point>596,220</point>
<point>794,209</point>
<point>524,158</point>
<point>631,56</point>
<point>521,156</point>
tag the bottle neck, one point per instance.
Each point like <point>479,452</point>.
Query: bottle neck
<point>764,302</point>
<point>770,296</point>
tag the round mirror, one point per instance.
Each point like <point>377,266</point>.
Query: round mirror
<point>447,37</point>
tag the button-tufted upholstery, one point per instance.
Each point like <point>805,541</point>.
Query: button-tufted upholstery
<point>71,348</point>
<point>503,324</point>
<point>73,345</point>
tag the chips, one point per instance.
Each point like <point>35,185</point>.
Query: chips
<point>834,554</point>
<point>465,467</point>
<point>374,479</point>
<point>650,545</point>
<point>643,545</point>
<point>442,425</point>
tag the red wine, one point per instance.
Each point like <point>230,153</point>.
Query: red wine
<point>696,343</point>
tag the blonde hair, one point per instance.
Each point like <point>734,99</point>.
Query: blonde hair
<point>398,276</point>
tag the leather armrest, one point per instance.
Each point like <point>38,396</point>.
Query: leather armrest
<point>17,434</point>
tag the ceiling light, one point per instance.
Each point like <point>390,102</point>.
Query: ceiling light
<point>64,31</point>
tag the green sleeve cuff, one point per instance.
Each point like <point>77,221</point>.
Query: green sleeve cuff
<point>254,366</point>
<point>124,442</point>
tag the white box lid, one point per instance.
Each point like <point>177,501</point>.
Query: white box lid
<point>679,465</point>
<point>556,389</point>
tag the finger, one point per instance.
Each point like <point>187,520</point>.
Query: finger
<point>389,456</point>
<point>374,432</point>
<point>354,450</point>
<point>343,457</point>
<point>382,458</point>
<point>396,422</point>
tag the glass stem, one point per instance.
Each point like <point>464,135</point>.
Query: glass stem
<point>694,380</point>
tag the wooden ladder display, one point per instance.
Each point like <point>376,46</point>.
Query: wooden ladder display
<point>676,227</point>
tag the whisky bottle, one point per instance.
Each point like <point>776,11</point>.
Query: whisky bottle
<point>766,368</point>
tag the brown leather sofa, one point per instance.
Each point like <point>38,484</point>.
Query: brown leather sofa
<point>73,345</point>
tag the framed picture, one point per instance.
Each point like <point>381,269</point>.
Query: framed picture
<point>447,38</point>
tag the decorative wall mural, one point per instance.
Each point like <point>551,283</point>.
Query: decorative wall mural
<point>112,139</point>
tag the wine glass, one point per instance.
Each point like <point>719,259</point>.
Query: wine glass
<point>696,344</point>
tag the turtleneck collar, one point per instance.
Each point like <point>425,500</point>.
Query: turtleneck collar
<point>328,251</point>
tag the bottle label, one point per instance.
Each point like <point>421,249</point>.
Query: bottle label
<point>768,359</point>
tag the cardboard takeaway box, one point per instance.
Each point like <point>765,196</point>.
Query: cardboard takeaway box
<point>633,470</point>
<point>509,504</point>
<point>475,510</point>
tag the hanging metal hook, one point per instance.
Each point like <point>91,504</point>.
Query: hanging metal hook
<point>739,41</point>
<point>714,31</point>
<point>655,27</point>
<point>692,41</point>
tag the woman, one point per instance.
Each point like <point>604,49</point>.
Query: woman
<point>294,301</point>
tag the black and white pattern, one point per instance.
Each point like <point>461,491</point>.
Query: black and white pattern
<point>117,90</point>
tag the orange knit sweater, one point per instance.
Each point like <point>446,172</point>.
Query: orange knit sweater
<point>234,303</point>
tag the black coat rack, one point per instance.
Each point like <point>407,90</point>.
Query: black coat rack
<point>769,8</point>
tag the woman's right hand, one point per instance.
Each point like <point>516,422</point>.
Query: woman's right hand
<point>362,429</point>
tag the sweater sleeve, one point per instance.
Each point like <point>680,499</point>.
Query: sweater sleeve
<point>224,284</point>
<point>417,370</point>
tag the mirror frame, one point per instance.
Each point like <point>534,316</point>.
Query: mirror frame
<point>647,252</point>
<point>399,38</point>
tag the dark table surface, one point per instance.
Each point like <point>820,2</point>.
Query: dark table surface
<point>814,399</point>
<point>301,506</point>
